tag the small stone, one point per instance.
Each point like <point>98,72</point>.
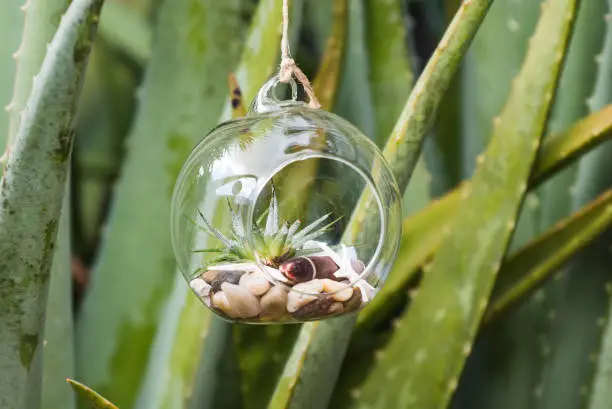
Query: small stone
<point>255,282</point>
<point>200,287</point>
<point>219,300</point>
<point>344,292</point>
<point>217,278</point>
<point>296,300</point>
<point>304,269</point>
<point>236,301</point>
<point>273,303</point>
<point>336,308</point>
<point>354,303</point>
<point>319,308</point>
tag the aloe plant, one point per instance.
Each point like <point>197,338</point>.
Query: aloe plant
<point>495,116</point>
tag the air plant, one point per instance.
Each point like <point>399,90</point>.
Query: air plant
<point>273,242</point>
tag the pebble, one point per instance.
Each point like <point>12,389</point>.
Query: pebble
<point>354,303</point>
<point>344,292</point>
<point>217,278</point>
<point>273,303</point>
<point>296,300</point>
<point>336,308</point>
<point>255,282</point>
<point>236,301</point>
<point>201,287</point>
<point>319,308</point>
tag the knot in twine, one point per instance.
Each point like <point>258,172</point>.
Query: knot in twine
<point>288,67</point>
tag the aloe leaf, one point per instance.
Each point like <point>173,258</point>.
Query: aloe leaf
<point>200,340</point>
<point>390,75</point>
<point>314,364</point>
<point>354,99</point>
<point>584,282</point>
<point>93,399</point>
<point>571,103</point>
<point>113,338</point>
<point>487,73</point>
<point>126,28</point>
<point>435,335</point>
<point>58,344</point>
<point>422,234</point>
<point>11,23</point>
<point>525,271</point>
<point>106,110</point>
<point>596,166</point>
<point>39,157</point>
<point>40,24</point>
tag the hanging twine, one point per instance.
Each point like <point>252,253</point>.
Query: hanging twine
<point>288,67</point>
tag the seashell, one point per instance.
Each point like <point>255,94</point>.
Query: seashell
<point>200,287</point>
<point>302,269</point>
<point>274,302</point>
<point>296,300</point>
<point>344,292</point>
<point>236,301</point>
<point>255,282</point>
<point>318,308</point>
<point>217,278</point>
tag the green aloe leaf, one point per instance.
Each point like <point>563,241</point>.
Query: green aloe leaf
<point>528,268</point>
<point>594,174</point>
<point>314,364</point>
<point>39,157</point>
<point>58,344</point>
<point>423,232</point>
<point>92,398</point>
<point>201,351</point>
<point>197,45</point>
<point>422,362</point>
<point>11,27</point>
<point>126,28</point>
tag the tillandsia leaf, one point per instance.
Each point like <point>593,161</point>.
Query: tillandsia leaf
<point>427,353</point>
<point>126,28</point>
<point>528,268</point>
<point>92,398</point>
<point>31,192</point>
<point>114,338</point>
<point>58,344</point>
<point>210,229</point>
<point>423,232</point>
<point>272,221</point>
<point>314,364</point>
<point>183,357</point>
<point>11,27</point>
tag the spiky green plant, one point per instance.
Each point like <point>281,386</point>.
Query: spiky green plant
<point>500,294</point>
<point>273,241</point>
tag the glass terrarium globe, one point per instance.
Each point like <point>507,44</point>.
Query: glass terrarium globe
<point>266,225</point>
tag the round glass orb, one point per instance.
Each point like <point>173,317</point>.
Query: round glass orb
<point>289,214</point>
